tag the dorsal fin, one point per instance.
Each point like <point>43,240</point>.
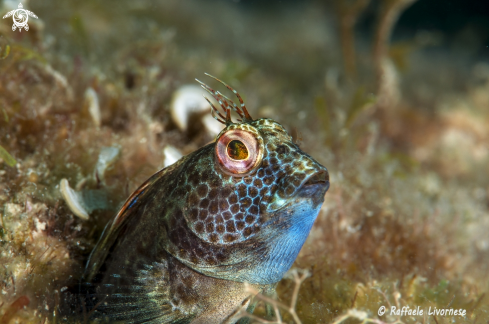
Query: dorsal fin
<point>111,230</point>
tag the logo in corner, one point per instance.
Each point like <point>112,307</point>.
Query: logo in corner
<point>20,16</point>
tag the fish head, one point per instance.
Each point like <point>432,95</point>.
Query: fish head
<point>251,198</point>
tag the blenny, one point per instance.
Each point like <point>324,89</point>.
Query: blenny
<point>183,245</point>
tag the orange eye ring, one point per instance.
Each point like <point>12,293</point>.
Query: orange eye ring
<point>238,152</point>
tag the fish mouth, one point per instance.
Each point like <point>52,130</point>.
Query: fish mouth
<point>315,186</point>
<point>320,177</point>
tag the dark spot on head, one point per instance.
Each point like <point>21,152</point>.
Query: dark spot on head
<point>223,205</point>
<point>202,190</point>
<point>230,238</point>
<point>239,216</point>
<point>204,203</point>
<point>230,227</point>
<point>247,232</point>
<point>213,194</point>
<point>253,210</point>
<point>257,183</point>
<point>220,228</point>
<point>290,190</point>
<point>227,215</point>
<point>203,214</point>
<point>209,227</point>
<point>234,208</point>
<point>268,180</point>
<point>248,180</point>
<point>193,214</point>
<point>245,202</point>
<point>225,192</point>
<point>282,149</point>
<point>215,183</point>
<point>214,238</point>
<point>240,225</point>
<point>233,199</point>
<point>199,227</point>
<point>253,192</point>
<point>219,219</point>
<point>194,179</point>
<point>205,177</point>
<point>242,190</point>
<point>221,257</point>
<point>213,207</point>
<point>249,219</point>
<point>261,173</point>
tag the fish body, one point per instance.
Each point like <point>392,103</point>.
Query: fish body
<point>183,245</point>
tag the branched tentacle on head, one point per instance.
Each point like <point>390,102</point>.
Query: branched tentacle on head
<point>226,104</point>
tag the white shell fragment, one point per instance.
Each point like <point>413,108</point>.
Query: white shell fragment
<point>212,126</point>
<point>73,199</point>
<point>107,157</point>
<point>171,154</point>
<point>91,98</point>
<point>188,99</point>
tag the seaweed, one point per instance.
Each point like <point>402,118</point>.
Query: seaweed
<point>403,133</point>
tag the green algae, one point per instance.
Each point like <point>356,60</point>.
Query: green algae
<point>7,158</point>
<point>407,207</point>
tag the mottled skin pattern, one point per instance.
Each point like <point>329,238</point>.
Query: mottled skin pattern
<point>184,243</point>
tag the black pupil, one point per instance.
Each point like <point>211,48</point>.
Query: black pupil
<point>237,150</point>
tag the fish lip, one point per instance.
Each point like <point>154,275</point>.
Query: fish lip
<point>319,177</point>
<point>315,186</point>
<point>315,191</point>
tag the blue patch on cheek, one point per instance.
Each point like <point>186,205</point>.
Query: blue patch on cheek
<point>284,247</point>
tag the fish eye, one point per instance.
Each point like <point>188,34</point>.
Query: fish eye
<point>238,152</point>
